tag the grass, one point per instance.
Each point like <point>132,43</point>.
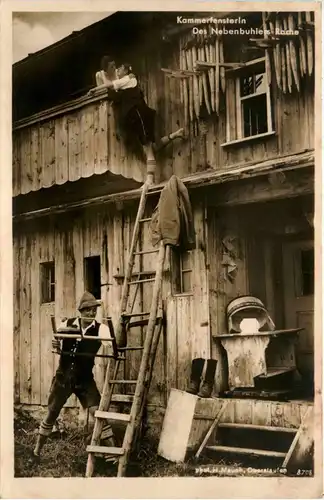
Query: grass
<point>64,455</point>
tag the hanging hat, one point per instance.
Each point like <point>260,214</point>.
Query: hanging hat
<point>88,300</point>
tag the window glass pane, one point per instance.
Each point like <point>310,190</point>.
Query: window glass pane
<point>187,260</point>
<point>186,282</point>
<point>307,271</point>
<point>47,276</point>
<point>254,113</point>
<point>253,84</point>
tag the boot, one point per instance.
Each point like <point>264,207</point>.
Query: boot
<point>34,457</point>
<point>197,366</point>
<point>208,384</point>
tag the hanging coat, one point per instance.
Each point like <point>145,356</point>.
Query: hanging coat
<point>172,219</point>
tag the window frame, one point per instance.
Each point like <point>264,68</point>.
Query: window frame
<point>178,270</point>
<point>47,282</point>
<point>86,268</point>
<point>235,76</point>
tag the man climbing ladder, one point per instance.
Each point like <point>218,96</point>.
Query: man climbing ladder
<point>173,195</point>
<point>137,118</point>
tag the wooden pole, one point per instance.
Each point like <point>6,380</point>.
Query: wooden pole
<point>137,401</point>
<point>211,429</point>
<point>149,373</point>
<point>301,447</point>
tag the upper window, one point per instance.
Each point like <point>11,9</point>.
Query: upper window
<point>47,275</point>
<point>248,110</point>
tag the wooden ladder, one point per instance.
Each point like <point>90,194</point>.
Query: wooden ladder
<point>154,323</point>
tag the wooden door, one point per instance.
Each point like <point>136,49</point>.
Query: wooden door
<point>298,270</point>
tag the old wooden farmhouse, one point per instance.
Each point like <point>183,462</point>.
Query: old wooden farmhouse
<point>247,162</point>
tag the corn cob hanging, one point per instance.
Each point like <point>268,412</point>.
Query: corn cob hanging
<point>309,44</point>
<point>278,49</point>
<point>195,83</point>
<point>184,86</point>
<point>211,75</point>
<point>190,86</point>
<point>302,49</point>
<point>276,57</point>
<point>293,54</point>
<point>222,69</point>
<point>204,82</point>
<point>197,52</point>
<point>181,68</point>
<point>217,75</point>
<point>267,55</point>
<point>283,66</point>
<point>288,59</point>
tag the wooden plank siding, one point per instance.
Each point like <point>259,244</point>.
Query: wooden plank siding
<point>106,233</point>
<point>71,146</point>
<point>224,224</point>
<point>192,319</point>
<point>84,138</point>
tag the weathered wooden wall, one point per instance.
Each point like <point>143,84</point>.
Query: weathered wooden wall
<point>83,140</point>
<point>188,329</point>
<point>106,233</point>
<point>223,227</point>
<point>256,234</point>
<point>77,143</point>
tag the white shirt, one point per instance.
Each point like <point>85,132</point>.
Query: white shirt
<point>103,332</point>
<point>126,82</point>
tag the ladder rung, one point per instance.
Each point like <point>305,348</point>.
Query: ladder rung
<point>141,322</point>
<point>137,348</point>
<point>145,252</point>
<point>143,273</point>
<point>123,381</point>
<point>133,315</point>
<point>122,398</point>
<point>111,415</point>
<point>106,450</point>
<point>141,281</point>
<point>147,219</point>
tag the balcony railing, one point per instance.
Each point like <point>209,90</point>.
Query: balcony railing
<point>75,140</point>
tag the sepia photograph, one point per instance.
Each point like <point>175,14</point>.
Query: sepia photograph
<point>164,204</point>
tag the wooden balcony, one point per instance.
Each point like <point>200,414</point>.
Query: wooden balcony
<point>75,140</point>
